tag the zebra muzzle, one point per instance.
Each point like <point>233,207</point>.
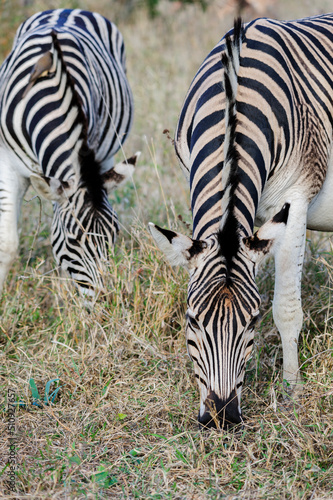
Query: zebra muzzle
<point>219,413</point>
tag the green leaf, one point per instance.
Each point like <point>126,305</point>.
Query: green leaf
<point>159,436</point>
<point>181,456</point>
<point>3,470</point>
<point>106,386</point>
<point>121,416</point>
<point>35,394</point>
<point>100,477</point>
<point>110,481</point>
<point>104,479</point>
<point>50,397</point>
<point>74,460</point>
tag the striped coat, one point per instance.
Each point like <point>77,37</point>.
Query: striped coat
<point>254,140</point>
<point>65,109</point>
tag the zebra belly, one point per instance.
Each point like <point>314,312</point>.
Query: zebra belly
<point>320,212</point>
<point>287,189</point>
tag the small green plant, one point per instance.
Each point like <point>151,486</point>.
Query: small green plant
<point>48,398</point>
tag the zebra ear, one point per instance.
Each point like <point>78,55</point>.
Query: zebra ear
<point>179,249</point>
<point>264,241</point>
<point>52,189</point>
<point>120,173</point>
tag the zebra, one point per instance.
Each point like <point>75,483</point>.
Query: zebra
<point>66,107</point>
<point>254,139</point>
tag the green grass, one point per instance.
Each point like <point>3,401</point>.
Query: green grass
<point>124,422</point>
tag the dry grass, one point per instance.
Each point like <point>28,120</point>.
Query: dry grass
<point>124,422</point>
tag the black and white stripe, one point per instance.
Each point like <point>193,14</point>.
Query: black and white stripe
<point>65,109</point>
<point>254,139</point>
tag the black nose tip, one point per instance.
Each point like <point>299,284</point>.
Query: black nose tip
<point>226,413</point>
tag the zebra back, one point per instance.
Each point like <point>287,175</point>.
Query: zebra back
<point>65,109</point>
<point>87,69</point>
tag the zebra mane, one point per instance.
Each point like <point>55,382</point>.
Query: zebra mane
<point>90,174</point>
<point>228,232</point>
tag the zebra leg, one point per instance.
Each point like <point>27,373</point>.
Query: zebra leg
<point>12,189</point>
<point>287,304</point>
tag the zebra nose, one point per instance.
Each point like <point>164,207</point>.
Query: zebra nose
<point>220,413</point>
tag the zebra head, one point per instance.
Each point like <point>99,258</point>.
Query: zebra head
<point>222,310</point>
<point>84,226</point>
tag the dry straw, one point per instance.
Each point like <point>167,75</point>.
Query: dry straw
<point>124,424</point>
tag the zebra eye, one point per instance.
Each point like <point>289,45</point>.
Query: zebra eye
<point>192,321</point>
<point>255,319</point>
<point>73,241</point>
